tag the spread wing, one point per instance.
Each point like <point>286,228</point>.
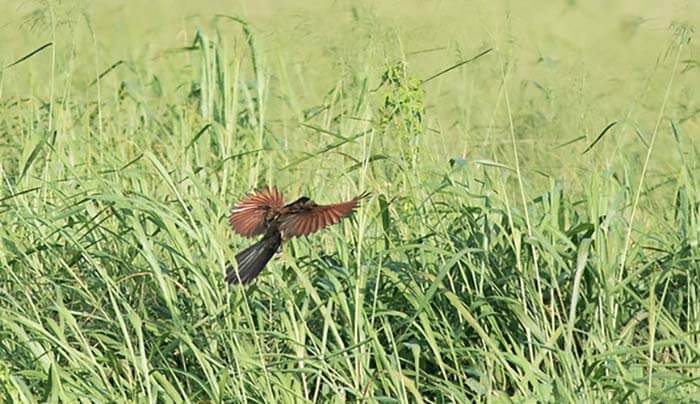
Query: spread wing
<point>312,217</point>
<point>248,217</point>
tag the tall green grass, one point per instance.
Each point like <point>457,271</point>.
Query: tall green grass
<point>496,261</point>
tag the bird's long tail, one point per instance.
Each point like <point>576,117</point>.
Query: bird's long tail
<point>253,259</point>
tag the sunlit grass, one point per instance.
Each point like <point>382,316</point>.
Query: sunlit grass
<point>499,257</point>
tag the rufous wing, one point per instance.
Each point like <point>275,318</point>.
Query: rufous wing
<point>317,217</point>
<point>248,217</point>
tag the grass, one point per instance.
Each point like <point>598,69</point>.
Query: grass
<point>508,253</point>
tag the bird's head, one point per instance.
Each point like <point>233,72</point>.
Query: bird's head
<point>301,201</point>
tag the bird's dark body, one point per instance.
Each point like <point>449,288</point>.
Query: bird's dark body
<point>253,259</point>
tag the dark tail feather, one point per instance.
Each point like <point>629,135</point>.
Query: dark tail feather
<point>253,259</point>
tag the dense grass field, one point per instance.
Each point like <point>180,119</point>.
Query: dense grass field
<point>532,236</point>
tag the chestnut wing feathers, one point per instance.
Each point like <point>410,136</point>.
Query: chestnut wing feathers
<point>248,217</point>
<point>312,218</point>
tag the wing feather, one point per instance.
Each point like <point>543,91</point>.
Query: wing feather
<point>318,217</point>
<point>247,218</point>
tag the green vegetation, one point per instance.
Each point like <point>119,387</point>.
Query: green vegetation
<point>495,262</point>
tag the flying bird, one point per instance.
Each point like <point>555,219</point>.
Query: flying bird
<point>264,212</point>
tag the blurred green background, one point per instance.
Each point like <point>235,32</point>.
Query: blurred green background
<point>573,67</point>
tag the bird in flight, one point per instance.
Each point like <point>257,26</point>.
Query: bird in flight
<point>264,212</point>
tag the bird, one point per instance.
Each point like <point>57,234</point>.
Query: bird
<point>264,212</point>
